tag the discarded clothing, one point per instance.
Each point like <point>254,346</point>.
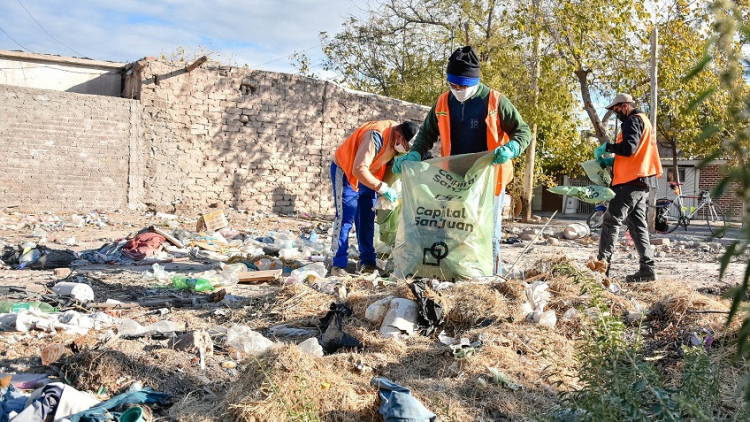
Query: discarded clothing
<point>143,245</point>
<point>431,312</point>
<point>334,337</point>
<point>398,405</point>
<point>43,406</point>
<point>53,258</point>
<point>102,413</point>
<point>11,400</point>
<point>110,253</point>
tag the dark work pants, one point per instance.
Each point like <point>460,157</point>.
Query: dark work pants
<point>628,206</point>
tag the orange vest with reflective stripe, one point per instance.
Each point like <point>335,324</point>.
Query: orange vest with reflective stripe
<point>495,135</point>
<point>346,153</point>
<point>644,162</point>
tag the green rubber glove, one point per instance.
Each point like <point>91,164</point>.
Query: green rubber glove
<point>599,151</point>
<point>506,152</point>
<point>608,162</point>
<point>390,194</point>
<point>411,156</point>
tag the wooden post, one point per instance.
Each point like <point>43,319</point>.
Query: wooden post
<point>196,63</point>
<point>654,85</point>
<point>528,180</point>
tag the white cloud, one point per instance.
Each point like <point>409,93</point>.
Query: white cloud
<point>255,32</point>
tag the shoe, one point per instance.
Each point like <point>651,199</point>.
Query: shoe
<point>640,277</point>
<point>338,272</point>
<point>368,269</point>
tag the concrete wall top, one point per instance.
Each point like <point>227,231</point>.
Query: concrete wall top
<point>82,76</point>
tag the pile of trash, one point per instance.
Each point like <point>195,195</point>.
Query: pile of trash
<point>247,325</point>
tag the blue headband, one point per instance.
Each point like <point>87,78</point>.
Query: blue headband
<point>462,80</point>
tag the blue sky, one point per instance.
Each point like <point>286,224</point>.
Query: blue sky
<point>259,33</point>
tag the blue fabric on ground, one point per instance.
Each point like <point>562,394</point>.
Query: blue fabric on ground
<point>11,400</point>
<point>398,405</point>
<point>101,413</point>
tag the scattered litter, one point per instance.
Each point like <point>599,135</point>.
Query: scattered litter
<point>377,310</point>
<point>247,341</point>
<point>311,347</point>
<point>401,319</point>
<point>286,331</point>
<point>78,291</point>
<point>500,378</point>
<point>334,337</point>
<point>431,312</point>
<point>398,405</point>
<point>576,231</point>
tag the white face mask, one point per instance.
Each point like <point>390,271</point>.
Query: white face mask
<point>400,148</point>
<point>465,94</point>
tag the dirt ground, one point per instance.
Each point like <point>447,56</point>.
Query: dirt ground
<point>106,364</point>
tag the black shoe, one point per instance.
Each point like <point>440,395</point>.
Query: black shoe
<point>640,277</point>
<point>368,269</point>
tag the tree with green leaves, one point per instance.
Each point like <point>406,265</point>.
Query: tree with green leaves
<point>401,50</point>
<point>731,35</point>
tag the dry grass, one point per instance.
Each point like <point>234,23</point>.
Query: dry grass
<point>289,385</point>
<point>286,385</point>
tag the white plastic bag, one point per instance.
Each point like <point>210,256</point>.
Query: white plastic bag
<point>446,224</point>
<point>248,341</point>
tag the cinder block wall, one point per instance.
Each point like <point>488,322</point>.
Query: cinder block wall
<point>248,139</point>
<point>63,151</point>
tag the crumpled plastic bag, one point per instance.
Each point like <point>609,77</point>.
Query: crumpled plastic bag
<point>598,174</point>
<point>591,194</point>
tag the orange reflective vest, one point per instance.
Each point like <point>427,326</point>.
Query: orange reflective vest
<point>644,162</point>
<point>346,153</point>
<point>495,135</point>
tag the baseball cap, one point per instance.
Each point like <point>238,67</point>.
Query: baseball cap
<point>619,99</point>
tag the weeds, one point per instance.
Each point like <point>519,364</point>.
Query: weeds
<point>618,384</point>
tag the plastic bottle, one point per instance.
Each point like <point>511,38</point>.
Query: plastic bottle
<point>16,307</point>
<point>182,282</point>
<point>29,257</point>
<point>229,275</point>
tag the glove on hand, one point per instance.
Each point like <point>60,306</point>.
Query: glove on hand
<point>608,162</point>
<point>390,194</point>
<point>599,151</point>
<point>411,156</point>
<point>506,152</point>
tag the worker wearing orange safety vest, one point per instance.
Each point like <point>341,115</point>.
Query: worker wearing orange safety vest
<point>471,118</point>
<point>635,166</point>
<point>357,174</point>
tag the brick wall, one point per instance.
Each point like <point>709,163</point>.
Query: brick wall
<point>729,202</point>
<point>248,139</point>
<point>65,152</point>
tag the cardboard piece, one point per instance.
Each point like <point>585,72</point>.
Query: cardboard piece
<point>252,277</point>
<point>171,239</point>
<point>212,221</point>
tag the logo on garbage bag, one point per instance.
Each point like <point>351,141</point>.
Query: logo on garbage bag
<point>435,253</point>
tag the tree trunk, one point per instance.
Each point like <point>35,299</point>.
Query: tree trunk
<point>675,166</point>
<point>528,181</point>
<point>588,105</point>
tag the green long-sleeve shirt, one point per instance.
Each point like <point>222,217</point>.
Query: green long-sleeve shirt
<point>468,127</point>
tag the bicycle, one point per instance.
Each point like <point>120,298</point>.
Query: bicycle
<point>677,213</point>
